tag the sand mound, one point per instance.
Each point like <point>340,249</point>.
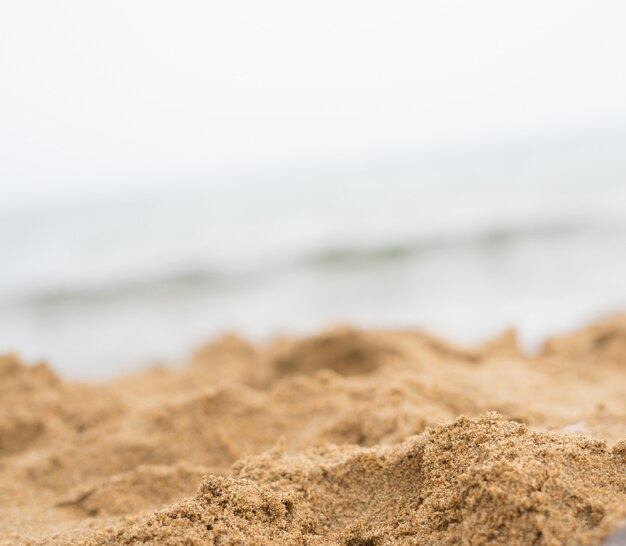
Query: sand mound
<point>348,437</point>
<point>487,478</point>
<point>36,407</point>
<point>601,344</point>
<point>344,351</point>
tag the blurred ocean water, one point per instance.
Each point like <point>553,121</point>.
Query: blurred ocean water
<point>461,244</point>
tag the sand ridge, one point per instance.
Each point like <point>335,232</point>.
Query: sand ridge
<point>346,437</point>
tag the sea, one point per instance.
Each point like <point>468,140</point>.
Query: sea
<point>462,243</point>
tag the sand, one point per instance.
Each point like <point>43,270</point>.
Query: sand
<point>349,437</point>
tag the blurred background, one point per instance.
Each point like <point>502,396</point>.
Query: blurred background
<point>170,171</point>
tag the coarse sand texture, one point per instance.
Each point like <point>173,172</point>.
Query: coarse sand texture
<point>349,437</point>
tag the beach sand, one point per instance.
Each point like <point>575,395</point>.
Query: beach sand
<point>350,437</point>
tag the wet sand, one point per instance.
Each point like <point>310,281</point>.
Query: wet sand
<point>360,438</point>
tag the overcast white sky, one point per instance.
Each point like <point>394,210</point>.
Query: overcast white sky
<point>97,95</point>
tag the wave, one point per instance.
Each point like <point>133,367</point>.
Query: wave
<point>358,256</point>
<point>123,289</point>
<point>490,239</point>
